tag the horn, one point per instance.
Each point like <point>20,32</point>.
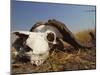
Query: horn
<point>67,34</point>
<point>22,33</point>
<point>36,25</point>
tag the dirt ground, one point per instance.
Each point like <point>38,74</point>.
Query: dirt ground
<point>68,60</point>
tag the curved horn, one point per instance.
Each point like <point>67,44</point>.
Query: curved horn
<point>35,26</point>
<point>66,33</point>
<point>22,33</point>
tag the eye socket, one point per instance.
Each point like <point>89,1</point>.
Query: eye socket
<point>50,37</point>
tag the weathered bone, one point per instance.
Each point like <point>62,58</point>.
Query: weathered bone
<point>38,44</point>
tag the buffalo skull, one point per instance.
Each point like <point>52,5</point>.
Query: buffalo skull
<point>36,44</point>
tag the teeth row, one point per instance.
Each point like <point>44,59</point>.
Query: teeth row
<point>37,62</point>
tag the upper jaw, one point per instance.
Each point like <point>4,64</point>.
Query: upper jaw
<point>37,59</point>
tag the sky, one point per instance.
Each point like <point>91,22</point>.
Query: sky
<point>76,17</point>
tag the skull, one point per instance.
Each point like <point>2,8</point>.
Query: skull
<point>38,42</point>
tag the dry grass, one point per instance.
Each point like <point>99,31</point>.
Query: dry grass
<point>63,61</point>
<point>84,36</point>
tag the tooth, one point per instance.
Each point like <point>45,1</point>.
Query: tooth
<point>32,62</point>
<point>37,62</point>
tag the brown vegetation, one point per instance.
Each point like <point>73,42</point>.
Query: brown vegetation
<point>67,60</point>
